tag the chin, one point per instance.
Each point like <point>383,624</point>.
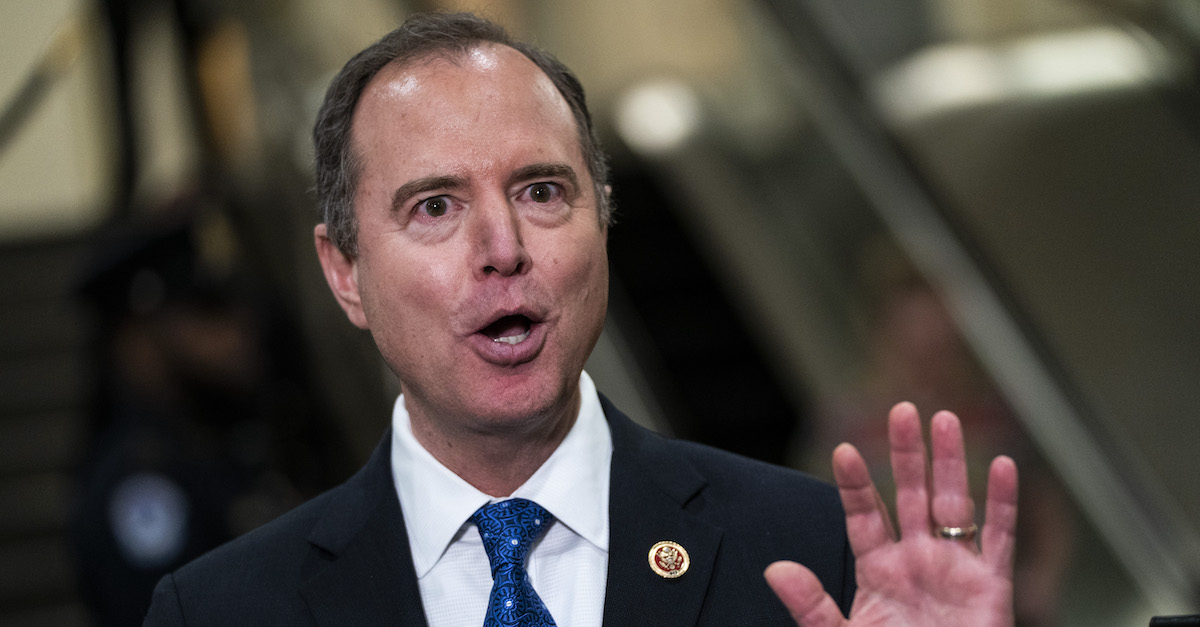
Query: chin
<point>516,399</point>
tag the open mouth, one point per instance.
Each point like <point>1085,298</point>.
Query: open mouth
<point>509,329</point>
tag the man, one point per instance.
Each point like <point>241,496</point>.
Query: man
<point>465,219</point>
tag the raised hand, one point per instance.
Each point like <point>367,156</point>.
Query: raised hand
<point>937,572</point>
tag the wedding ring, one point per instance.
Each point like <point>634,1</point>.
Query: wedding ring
<point>959,533</point>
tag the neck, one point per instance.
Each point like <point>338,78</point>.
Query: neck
<point>496,460</point>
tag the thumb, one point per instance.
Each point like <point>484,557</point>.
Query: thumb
<point>803,595</point>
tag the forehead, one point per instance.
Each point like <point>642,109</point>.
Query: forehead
<point>455,96</point>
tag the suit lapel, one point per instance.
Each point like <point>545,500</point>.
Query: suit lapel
<point>360,568</point>
<point>650,494</point>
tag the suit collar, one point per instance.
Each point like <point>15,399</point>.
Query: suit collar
<point>361,568</point>
<point>652,489</point>
<point>360,571</point>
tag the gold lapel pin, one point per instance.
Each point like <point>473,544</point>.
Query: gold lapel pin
<point>668,559</point>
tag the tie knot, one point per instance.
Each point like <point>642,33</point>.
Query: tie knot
<point>509,527</point>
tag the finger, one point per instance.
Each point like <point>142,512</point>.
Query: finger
<point>803,595</point>
<point>908,469</point>
<point>1000,528</point>
<point>867,522</point>
<point>952,505</point>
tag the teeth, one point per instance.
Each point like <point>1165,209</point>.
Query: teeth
<point>512,339</point>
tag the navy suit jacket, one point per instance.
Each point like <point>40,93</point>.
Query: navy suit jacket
<point>343,558</point>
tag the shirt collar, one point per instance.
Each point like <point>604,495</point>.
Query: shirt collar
<point>572,484</point>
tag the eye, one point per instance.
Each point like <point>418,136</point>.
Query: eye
<point>435,207</point>
<point>544,192</point>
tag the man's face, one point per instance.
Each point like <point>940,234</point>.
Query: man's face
<point>481,270</point>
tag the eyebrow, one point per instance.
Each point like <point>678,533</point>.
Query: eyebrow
<point>419,186</point>
<point>547,170</point>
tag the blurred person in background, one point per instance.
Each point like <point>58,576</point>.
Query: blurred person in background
<point>916,352</point>
<point>201,422</point>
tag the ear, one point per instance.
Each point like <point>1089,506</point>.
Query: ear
<point>341,272</point>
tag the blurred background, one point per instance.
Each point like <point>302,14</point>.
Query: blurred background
<point>824,207</point>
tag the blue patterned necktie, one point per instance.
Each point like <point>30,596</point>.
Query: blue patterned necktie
<point>507,529</point>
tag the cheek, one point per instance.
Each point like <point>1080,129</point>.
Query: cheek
<point>403,294</point>
<point>597,277</point>
<point>586,276</point>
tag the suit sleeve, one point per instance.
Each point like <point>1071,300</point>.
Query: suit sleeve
<point>849,582</point>
<point>165,608</point>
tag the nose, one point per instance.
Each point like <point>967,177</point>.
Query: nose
<point>496,231</point>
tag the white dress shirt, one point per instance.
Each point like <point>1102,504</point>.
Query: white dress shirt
<point>568,566</point>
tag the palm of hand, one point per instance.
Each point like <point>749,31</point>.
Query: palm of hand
<point>919,579</point>
<point>929,581</point>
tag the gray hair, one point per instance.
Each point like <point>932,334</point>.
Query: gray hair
<point>338,165</point>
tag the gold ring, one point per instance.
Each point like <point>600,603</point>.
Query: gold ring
<point>959,533</point>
